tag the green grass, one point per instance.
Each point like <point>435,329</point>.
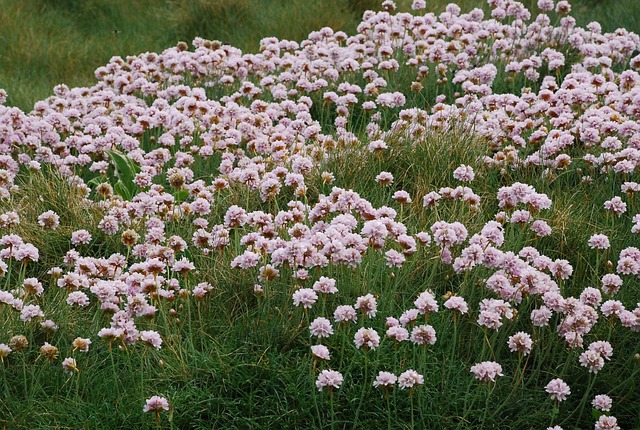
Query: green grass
<point>46,43</point>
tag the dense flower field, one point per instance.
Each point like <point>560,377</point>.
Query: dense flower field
<point>430,223</point>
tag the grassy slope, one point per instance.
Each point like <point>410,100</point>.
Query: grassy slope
<point>45,43</point>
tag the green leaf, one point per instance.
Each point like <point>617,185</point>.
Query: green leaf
<point>181,195</point>
<point>125,167</point>
<point>126,170</point>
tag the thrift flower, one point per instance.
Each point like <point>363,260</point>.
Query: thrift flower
<point>602,402</point>
<point>409,379</point>
<point>330,379</point>
<point>487,371</point>
<point>558,389</point>
<point>156,403</point>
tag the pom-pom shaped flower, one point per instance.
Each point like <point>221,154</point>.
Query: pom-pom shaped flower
<point>49,219</point>
<point>156,404</point>
<point>602,402</point>
<point>366,338</point>
<point>80,237</point>
<point>368,305</point>
<point>329,379</point>
<point>558,389</point>
<point>520,342</point>
<point>320,352</point>
<point>607,423</point>
<point>321,327</point>
<point>487,371</point>
<point>385,379</point>
<point>423,335</point>
<point>409,379</point>
<point>305,297</point>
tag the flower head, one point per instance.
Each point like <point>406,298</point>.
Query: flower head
<point>487,371</point>
<point>330,379</point>
<point>385,379</point>
<point>156,403</point>
<point>409,379</point>
<point>558,389</point>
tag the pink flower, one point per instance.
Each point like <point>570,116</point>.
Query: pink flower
<point>487,371</point>
<point>540,228</point>
<point>592,360</point>
<point>520,342</point>
<point>616,205</point>
<point>611,283</point>
<point>366,338</point>
<point>305,297</point>
<point>325,285</point>
<point>151,338</point>
<point>423,335</point>
<point>345,313</point>
<point>394,258</point>
<point>156,403</point>
<point>69,366</point>
<point>602,402</point>
<point>599,241</point>
<point>80,237</point>
<point>321,327</point>
<point>457,303</point>
<point>31,311</point>
<point>397,333</point>
<point>78,298</point>
<point>49,219</point>
<point>409,379</point>
<point>558,389</point>
<point>368,305</point>
<point>384,178</point>
<point>607,423</point>
<point>329,378</point>
<point>320,352</point>
<point>385,379</point>
<point>464,173</point>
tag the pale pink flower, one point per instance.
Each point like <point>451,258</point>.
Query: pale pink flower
<point>385,379</point>
<point>384,178</point>
<point>321,327</point>
<point>80,237</point>
<point>345,313</point>
<point>558,389</point>
<point>607,423</point>
<point>156,404</point>
<point>325,285</point>
<point>70,366</point>
<point>320,352</point>
<point>487,371</point>
<point>368,305</point>
<point>520,342</point>
<point>49,219</point>
<point>330,379</point>
<point>397,333</point>
<point>602,402</point>
<point>151,338</point>
<point>305,297</point>
<point>366,338</point>
<point>592,360</point>
<point>464,173</point>
<point>457,303</point>
<point>409,379</point>
<point>423,335</point>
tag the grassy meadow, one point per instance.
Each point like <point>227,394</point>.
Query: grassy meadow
<point>191,221</point>
<point>46,43</point>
